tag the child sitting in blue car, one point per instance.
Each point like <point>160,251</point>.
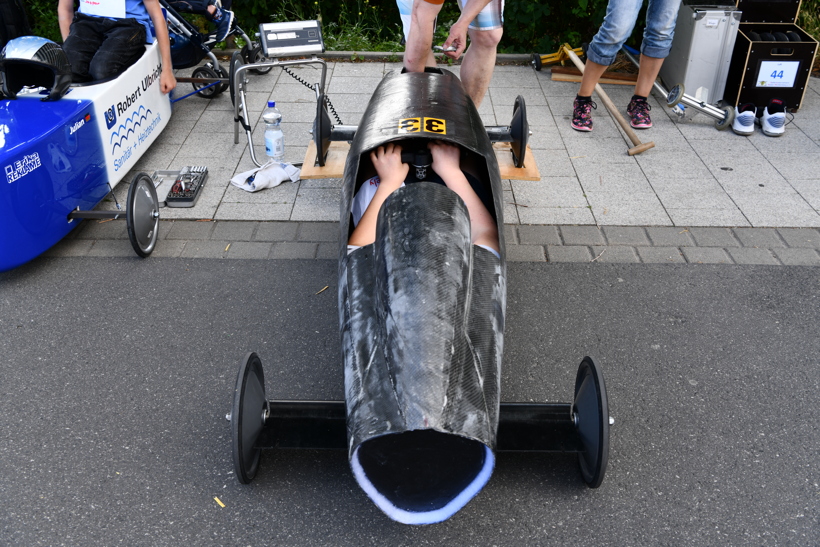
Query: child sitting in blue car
<point>103,38</point>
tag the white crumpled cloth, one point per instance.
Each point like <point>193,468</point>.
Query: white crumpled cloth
<point>272,173</point>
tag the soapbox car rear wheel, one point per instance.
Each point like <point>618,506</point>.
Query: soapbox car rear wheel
<point>142,214</point>
<point>590,411</point>
<point>202,89</point>
<point>321,130</point>
<point>248,414</point>
<point>519,131</point>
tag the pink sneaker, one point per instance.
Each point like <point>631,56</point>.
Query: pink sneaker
<point>582,114</point>
<point>639,109</point>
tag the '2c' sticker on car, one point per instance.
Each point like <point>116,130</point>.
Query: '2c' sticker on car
<point>428,125</point>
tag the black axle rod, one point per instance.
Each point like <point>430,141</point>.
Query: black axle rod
<point>522,427</point>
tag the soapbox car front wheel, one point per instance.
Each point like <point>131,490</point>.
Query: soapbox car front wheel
<point>208,91</point>
<point>142,214</point>
<point>590,411</point>
<point>248,414</point>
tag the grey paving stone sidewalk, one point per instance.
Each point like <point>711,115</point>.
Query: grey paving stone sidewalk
<point>695,176</point>
<point>320,240</point>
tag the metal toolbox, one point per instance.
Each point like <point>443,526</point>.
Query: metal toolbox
<point>702,49</point>
<point>772,57</point>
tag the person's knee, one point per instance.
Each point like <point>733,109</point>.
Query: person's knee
<point>485,39</point>
<point>424,12</point>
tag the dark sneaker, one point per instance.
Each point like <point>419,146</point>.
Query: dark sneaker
<point>582,114</point>
<point>224,23</point>
<point>639,109</point>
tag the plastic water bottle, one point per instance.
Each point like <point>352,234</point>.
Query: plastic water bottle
<point>274,138</point>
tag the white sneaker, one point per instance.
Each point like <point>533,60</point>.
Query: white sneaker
<point>773,121</point>
<point>744,123</point>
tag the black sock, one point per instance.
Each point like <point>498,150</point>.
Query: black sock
<point>638,98</point>
<point>583,99</point>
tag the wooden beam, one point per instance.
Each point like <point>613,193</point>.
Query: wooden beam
<point>337,154</point>
<point>572,74</point>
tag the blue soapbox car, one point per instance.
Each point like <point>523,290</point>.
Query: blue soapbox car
<point>64,146</point>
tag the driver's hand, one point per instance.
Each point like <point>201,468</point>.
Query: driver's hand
<point>387,161</point>
<point>446,157</point>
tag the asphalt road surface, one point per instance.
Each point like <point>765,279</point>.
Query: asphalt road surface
<point>116,375</point>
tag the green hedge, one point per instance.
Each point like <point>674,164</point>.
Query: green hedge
<point>530,25</point>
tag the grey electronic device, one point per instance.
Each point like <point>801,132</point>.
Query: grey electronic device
<point>291,39</point>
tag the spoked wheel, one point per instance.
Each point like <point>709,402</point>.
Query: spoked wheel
<point>142,214</point>
<point>519,131</point>
<point>248,415</point>
<point>728,118</point>
<point>202,89</point>
<point>591,413</point>
<point>535,61</point>
<point>675,95</point>
<point>321,130</point>
<point>236,62</point>
<point>255,55</point>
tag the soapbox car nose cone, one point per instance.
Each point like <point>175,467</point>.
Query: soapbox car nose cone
<point>424,476</point>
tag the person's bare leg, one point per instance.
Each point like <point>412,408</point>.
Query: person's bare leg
<point>431,58</point>
<point>418,51</point>
<point>650,67</point>
<point>592,74</point>
<point>479,62</point>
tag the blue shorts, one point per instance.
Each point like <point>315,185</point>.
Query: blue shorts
<point>490,18</point>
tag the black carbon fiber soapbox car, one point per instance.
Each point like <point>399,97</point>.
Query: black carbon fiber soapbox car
<point>421,318</point>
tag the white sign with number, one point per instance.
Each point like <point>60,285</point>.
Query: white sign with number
<point>777,73</point>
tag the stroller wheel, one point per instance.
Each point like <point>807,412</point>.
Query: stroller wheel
<point>207,91</point>
<point>255,55</point>
<point>222,73</point>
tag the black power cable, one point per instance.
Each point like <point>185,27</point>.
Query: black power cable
<point>313,88</point>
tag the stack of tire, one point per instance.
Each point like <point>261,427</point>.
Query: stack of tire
<point>790,36</point>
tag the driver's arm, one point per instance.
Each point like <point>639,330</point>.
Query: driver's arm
<point>446,162</point>
<point>392,172</point>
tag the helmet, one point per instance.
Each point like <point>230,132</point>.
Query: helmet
<point>31,61</point>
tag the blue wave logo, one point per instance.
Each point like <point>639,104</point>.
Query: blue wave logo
<point>127,127</point>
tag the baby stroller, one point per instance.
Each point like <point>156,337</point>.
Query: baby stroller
<point>189,47</point>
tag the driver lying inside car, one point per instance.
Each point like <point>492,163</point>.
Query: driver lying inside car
<point>391,174</point>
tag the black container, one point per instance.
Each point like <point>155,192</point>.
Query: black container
<point>762,69</point>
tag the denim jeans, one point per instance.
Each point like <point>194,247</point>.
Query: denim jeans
<point>619,22</point>
<point>98,47</point>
